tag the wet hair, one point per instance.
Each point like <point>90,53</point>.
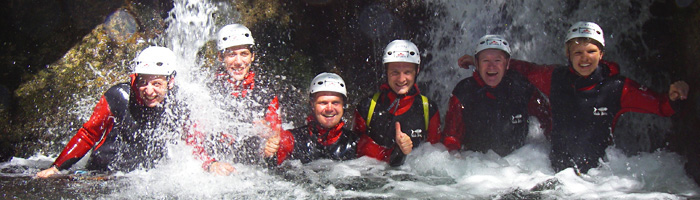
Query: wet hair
<point>476,57</point>
<point>251,48</point>
<point>312,98</point>
<point>222,66</point>
<point>583,40</point>
<point>167,77</point>
<point>386,69</point>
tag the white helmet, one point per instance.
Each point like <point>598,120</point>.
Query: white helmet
<point>493,42</point>
<point>155,60</point>
<point>401,51</point>
<point>587,30</point>
<point>234,35</point>
<point>328,82</point>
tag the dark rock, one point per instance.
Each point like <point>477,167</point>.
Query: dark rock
<point>549,184</point>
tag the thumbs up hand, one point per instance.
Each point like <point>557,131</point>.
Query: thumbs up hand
<point>403,140</point>
<point>272,145</point>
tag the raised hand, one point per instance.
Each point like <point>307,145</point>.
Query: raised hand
<point>465,61</point>
<point>678,90</point>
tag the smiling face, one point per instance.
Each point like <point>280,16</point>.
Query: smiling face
<point>401,76</point>
<point>327,108</point>
<point>237,60</point>
<point>152,89</point>
<point>584,56</point>
<point>492,65</point>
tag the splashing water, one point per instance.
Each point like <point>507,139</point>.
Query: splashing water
<point>535,29</point>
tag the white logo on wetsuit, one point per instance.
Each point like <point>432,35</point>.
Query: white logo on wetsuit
<point>416,133</point>
<point>516,119</point>
<point>602,111</point>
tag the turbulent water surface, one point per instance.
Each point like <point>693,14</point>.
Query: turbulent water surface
<point>431,172</point>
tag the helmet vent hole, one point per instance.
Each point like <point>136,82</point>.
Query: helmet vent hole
<point>412,53</point>
<point>388,53</point>
<point>482,42</point>
<point>574,30</point>
<point>247,35</point>
<point>342,85</point>
<point>320,83</point>
<point>224,39</point>
<point>159,64</point>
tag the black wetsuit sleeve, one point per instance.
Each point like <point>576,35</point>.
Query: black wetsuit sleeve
<point>397,158</point>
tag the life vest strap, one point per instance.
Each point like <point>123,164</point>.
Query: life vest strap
<point>372,104</point>
<point>375,98</point>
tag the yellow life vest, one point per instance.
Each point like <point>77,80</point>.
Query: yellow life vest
<point>373,104</point>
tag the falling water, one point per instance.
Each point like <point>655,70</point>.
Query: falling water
<point>535,28</point>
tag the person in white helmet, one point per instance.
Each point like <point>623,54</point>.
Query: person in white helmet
<point>491,110</point>
<point>238,90</point>
<point>587,96</point>
<point>121,130</point>
<point>324,136</point>
<point>238,82</point>
<point>397,119</point>
<point>235,43</point>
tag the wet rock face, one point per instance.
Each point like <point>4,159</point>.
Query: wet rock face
<point>6,146</point>
<point>682,54</point>
<point>37,33</point>
<point>673,37</point>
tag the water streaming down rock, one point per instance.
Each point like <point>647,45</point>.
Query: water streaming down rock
<point>431,172</point>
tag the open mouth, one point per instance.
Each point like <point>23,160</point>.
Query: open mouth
<point>237,71</point>
<point>328,116</point>
<point>491,74</point>
<point>401,85</point>
<point>150,98</point>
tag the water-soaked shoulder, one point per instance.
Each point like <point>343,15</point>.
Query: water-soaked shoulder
<point>118,93</point>
<point>464,83</point>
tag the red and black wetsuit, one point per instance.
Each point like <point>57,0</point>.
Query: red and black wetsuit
<point>481,117</point>
<point>246,101</point>
<point>124,134</point>
<point>244,95</point>
<point>313,142</point>
<point>585,109</point>
<point>378,140</point>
